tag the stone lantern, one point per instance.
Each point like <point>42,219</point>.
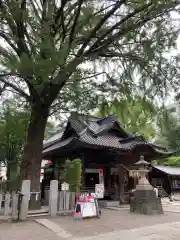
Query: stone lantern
<point>142,173</point>
<point>145,200</point>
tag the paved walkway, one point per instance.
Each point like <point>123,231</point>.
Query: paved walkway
<point>157,232</point>
<point>26,231</point>
<point>113,225</point>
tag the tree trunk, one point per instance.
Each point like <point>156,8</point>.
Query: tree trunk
<point>12,176</point>
<point>32,154</point>
<point>8,171</point>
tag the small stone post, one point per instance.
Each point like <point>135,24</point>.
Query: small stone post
<point>25,190</point>
<point>14,206</point>
<point>6,205</point>
<point>53,198</point>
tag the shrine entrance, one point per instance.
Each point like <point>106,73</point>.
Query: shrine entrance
<point>102,143</point>
<point>91,179</point>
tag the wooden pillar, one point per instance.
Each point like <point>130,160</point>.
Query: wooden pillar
<point>109,179</point>
<point>116,185</point>
<point>121,172</point>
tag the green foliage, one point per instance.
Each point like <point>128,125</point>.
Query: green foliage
<point>169,130</point>
<point>14,122</point>
<point>13,184</point>
<point>73,174</point>
<point>171,161</point>
<point>13,129</point>
<point>136,114</point>
<point>50,129</point>
<point>46,43</point>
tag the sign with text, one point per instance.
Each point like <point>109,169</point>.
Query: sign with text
<point>65,186</point>
<point>101,176</point>
<point>86,206</point>
<point>99,190</point>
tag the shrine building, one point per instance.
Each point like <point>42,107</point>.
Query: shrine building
<point>108,153</point>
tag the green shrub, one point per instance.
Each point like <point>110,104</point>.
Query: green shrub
<point>72,174</point>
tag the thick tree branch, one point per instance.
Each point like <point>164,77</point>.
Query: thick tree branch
<point>129,27</point>
<point>125,19</point>
<point>67,13</point>
<point>59,81</point>
<point>60,11</point>
<point>99,25</point>
<point>17,27</point>
<point>7,38</point>
<point>111,54</point>
<point>73,29</point>
<point>21,29</point>
<point>35,9</point>
<point>44,11</point>
<point>17,89</point>
<point>59,15</point>
<point>2,89</point>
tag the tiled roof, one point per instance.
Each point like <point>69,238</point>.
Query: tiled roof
<point>108,140</point>
<point>52,140</point>
<point>95,125</point>
<point>168,170</point>
<point>98,132</point>
<point>58,145</point>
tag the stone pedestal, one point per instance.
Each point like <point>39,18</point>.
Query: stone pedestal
<point>146,202</point>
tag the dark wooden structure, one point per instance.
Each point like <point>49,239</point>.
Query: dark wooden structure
<point>101,143</point>
<point>167,177</point>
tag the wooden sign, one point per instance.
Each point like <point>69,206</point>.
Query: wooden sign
<point>99,190</point>
<point>65,186</point>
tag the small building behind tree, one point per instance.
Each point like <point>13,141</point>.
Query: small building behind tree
<point>108,153</point>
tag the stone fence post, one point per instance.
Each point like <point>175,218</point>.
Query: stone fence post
<point>25,190</point>
<point>53,198</point>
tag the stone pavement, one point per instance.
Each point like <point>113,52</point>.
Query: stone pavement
<point>112,220</point>
<point>113,225</point>
<point>26,231</point>
<point>167,231</point>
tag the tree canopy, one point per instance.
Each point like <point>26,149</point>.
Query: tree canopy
<point>13,129</point>
<point>171,161</point>
<point>169,130</point>
<point>45,43</point>
<point>136,114</point>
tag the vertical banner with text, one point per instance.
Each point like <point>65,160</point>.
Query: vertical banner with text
<point>101,176</point>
